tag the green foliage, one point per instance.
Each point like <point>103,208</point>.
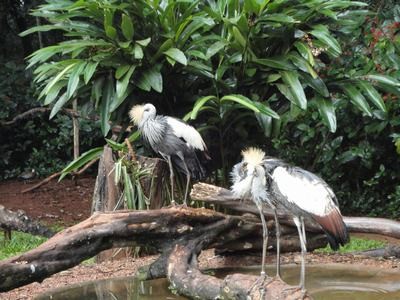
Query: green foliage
<point>361,159</point>
<point>35,142</point>
<point>308,79</point>
<point>128,174</point>
<point>355,244</point>
<point>20,243</point>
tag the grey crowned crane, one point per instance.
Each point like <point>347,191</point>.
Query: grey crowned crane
<point>177,142</point>
<point>250,181</point>
<point>304,195</point>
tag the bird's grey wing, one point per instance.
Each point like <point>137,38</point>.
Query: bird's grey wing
<point>186,132</point>
<point>315,179</point>
<point>302,190</point>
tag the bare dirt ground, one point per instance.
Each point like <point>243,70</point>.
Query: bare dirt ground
<point>66,203</point>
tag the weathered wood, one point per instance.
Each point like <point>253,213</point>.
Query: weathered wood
<point>19,221</point>
<point>167,230</point>
<point>184,275</point>
<point>388,251</point>
<point>217,195</point>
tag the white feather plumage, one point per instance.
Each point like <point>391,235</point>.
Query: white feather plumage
<point>188,133</point>
<point>309,195</point>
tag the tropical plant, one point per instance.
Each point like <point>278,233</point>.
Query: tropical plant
<point>224,61</point>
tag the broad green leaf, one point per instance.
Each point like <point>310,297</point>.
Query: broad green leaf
<point>291,79</point>
<point>357,98</point>
<point>106,99</point>
<point>176,55</point>
<point>316,83</point>
<point>257,107</point>
<point>117,171</point>
<point>89,71</point>
<point>144,42</point>
<point>97,90</point>
<point>239,37</point>
<point>111,32</point>
<point>123,84</point>
<point>215,48</point>
<point>382,79</point>
<point>305,51</point>
<point>58,77</point>
<point>54,91</point>
<point>151,78</point>
<point>286,91</point>
<point>121,71</point>
<point>199,104</point>
<point>327,112</point>
<point>302,64</point>
<point>373,95</point>
<point>128,189</point>
<point>137,51</point>
<point>81,161</point>
<point>321,32</point>
<point>73,81</point>
<point>281,18</point>
<point>58,105</point>
<point>127,27</point>
<point>116,146</point>
<point>165,46</point>
<point>275,63</point>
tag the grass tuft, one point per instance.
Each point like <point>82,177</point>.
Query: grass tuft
<point>355,244</point>
<point>20,243</point>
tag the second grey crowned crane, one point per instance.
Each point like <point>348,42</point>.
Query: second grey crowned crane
<point>300,192</point>
<point>177,142</point>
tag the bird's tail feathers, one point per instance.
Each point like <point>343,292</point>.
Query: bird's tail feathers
<point>335,228</point>
<point>197,164</point>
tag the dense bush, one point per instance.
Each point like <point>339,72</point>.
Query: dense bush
<point>362,158</point>
<point>35,142</point>
<point>312,80</point>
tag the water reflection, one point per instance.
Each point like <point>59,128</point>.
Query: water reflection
<point>113,289</point>
<point>324,282</point>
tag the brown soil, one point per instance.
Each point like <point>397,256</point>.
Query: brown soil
<point>67,203</point>
<point>63,203</point>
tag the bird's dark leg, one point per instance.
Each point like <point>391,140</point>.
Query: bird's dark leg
<point>171,176</point>
<point>278,247</point>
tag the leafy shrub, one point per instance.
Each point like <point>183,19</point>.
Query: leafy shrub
<point>36,142</point>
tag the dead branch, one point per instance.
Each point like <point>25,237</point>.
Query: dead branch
<point>19,221</point>
<point>180,233</point>
<point>217,195</point>
<point>55,175</point>
<point>385,252</point>
<point>37,110</point>
<point>44,181</point>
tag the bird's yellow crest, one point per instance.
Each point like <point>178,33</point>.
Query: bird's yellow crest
<point>136,113</point>
<point>253,156</point>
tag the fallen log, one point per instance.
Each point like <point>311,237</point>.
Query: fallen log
<point>178,233</point>
<point>221,196</point>
<point>388,251</point>
<point>19,221</point>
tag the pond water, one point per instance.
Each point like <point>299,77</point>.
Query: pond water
<point>324,282</point>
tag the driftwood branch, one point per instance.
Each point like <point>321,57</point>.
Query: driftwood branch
<point>386,252</point>
<point>181,233</point>
<point>55,175</point>
<point>19,221</point>
<point>217,195</point>
<point>34,111</point>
